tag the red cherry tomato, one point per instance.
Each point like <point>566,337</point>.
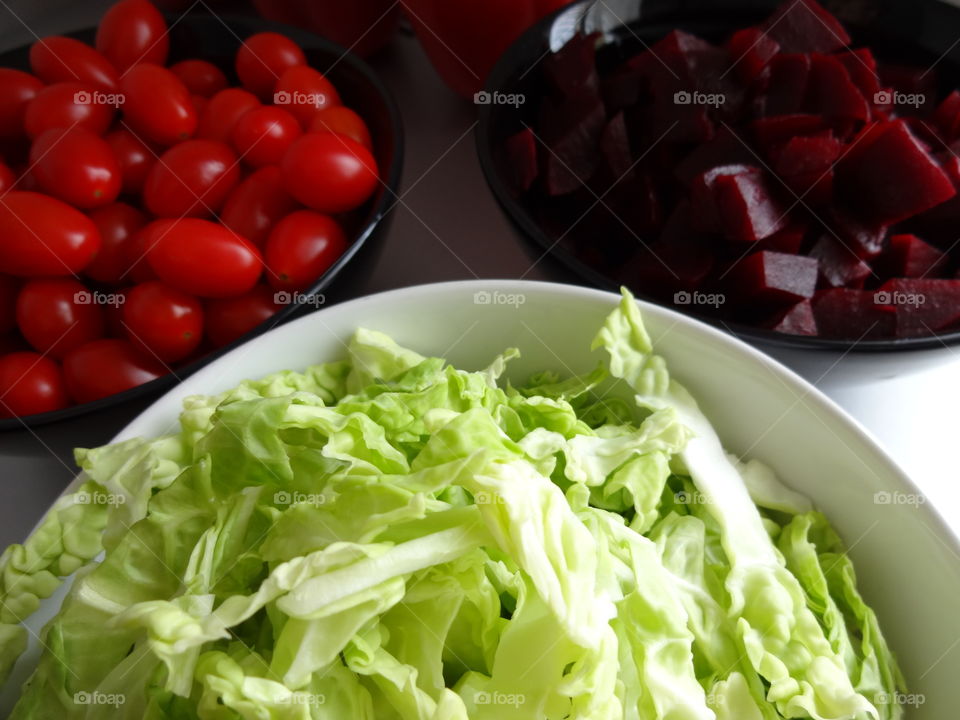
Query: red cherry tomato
<point>44,236</point>
<point>9,289</point>
<point>134,156</point>
<point>192,178</point>
<point>199,104</point>
<point>136,251</point>
<point>263,58</point>
<point>76,166</point>
<point>132,32</point>
<point>65,105</point>
<point>30,384</point>
<point>301,248</point>
<point>106,367</point>
<point>230,318</point>
<point>257,204</point>
<point>342,120</point>
<point>263,135</point>
<point>61,59</point>
<point>329,172</point>
<point>17,89</point>
<point>157,104</point>
<point>202,258</point>
<point>222,112</point>
<point>117,224</point>
<point>305,92</point>
<point>58,314</point>
<point>8,178</point>
<point>163,321</point>
<point>201,77</point>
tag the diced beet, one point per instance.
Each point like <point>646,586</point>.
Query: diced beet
<point>839,265</point>
<point>636,201</point>
<point>789,76</point>
<point>947,116</point>
<point>736,200</point>
<point>680,259</point>
<point>778,129</point>
<point>910,257</point>
<point>572,136</point>
<point>862,67</point>
<point>789,240</point>
<point>923,307</point>
<point>572,70</point>
<point>810,155</point>
<point>615,147</point>
<point>864,239</point>
<point>773,278</point>
<point>852,314</point>
<point>751,50</point>
<point>798,320</point>
<point>805,26</point>
<point>521,160</point>
<point>893,178</point>
<point>831,92</point>
<point>725,149</point>
<point>925,131</point>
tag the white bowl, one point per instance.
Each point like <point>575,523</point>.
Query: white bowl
<point>908,561</point>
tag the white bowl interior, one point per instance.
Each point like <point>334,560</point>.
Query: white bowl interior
<point>907,561</point>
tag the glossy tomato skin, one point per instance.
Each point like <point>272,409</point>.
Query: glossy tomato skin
<point>157,105</point>
<point>221,114</point>
<point>131,32</point>
<point>344,121</point>
<point>258,203</point>
<point>44,236</point>
<point>105,367</point>
<point>8,178</point>
<point>192,179</point>
<point>117,224</point>
<point>61,105</point>
<point>263,58</point>
<point>134,157</point>
<point>228,319</point>
<point>76,166</point>
<point>61,59</point>
<point>263,135</point>
<point>56,315</point>
<point>201,77</point>
<point>305,92</point>
<point>329,172</point>
<point>9,289</point>
<point>163,321</point>
<point>30,384</point>
<point>202,258</point>
<point>302,247</point>
<point>17,89</point>
<point>136,251</point>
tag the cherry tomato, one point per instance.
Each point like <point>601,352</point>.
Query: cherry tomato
<point>117,224</point>
<point>9,289</point>
<point>257,204</point>
<point>301,248</point>
<point>136,251</point>
<point>134,156</point>
<point>222,112</point>
<point>306,92</point>
<point>106,367</point>
<point>192,178</point>
<point>342,120</point>
<point>58,314</point>
<point>30,384</point>
<point>8,178</point>
<point>76,166</point>
<point>132,32</point>
<point>202,258</point>
<point>163,321</point>
<point>263,58</point>
<point>199,104</point>
<point>263,135</point>
<point>329,172</point>
<point>201,77</point>
<point>157,104</point>
<point>230,318</point>
<point>17,89</point>
<point>44,236</point>
<point>61,59</point>
<point>65,105</point>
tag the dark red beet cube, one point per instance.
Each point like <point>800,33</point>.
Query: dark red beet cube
<point>798,320</point>
<point>725,149</point>
<point>893,178</point>
<point>615,147</point>
<point>773,131</point>
<point>947,116</point>
<point>839,265</point>
<point>521,160</point>
<point>739,201</point>
<point>852,314</point>
<point>862,67</point>
<point>831,92</point>
<point>806,166</point>
<point>572,136</point>
<point>680,259</point>
<point>572,70</point>
<point>751,49</point>
<point>910,257</point>
<point>789,76</point>
<point>865,239</point>
<point>789,240</point>
<point>923,307</point>
<point>773,278</point>
<point>802,26</point>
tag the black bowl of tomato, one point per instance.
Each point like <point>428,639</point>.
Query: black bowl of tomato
<point>182,273</point>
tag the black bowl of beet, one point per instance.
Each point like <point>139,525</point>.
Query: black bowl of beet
<point>787,171</point>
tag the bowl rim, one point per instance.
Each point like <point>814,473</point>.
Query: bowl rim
<point>517,60</point>
<point>390,180</point>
